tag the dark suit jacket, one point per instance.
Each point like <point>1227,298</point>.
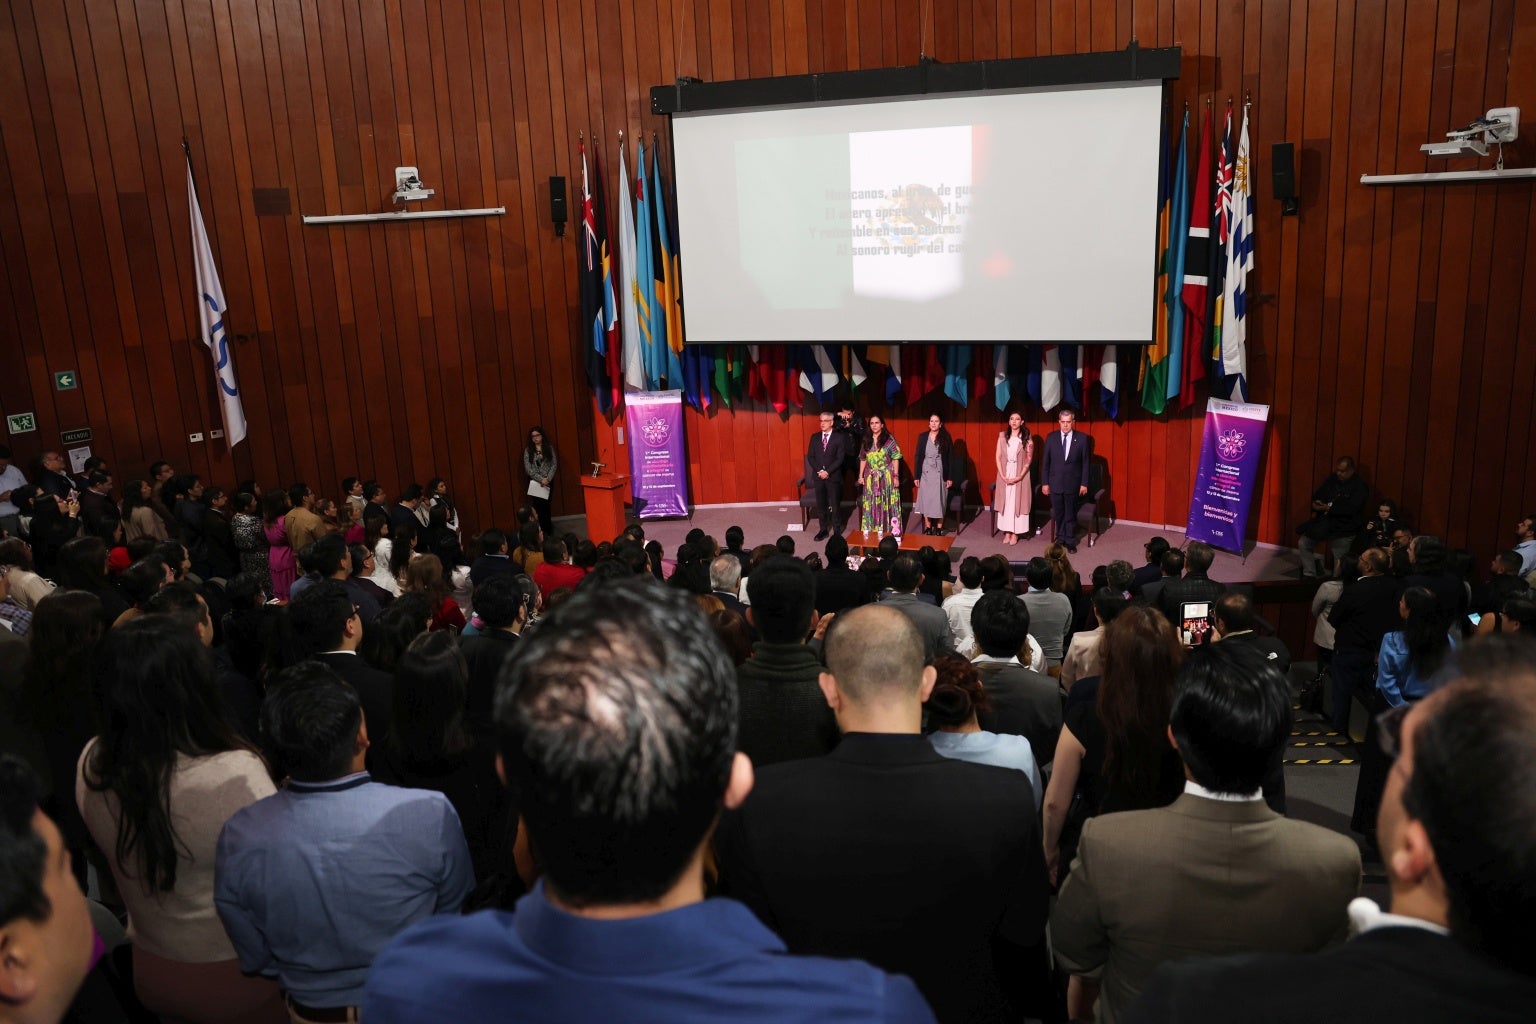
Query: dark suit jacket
<point>487,566</point>
<point>1272,648</point>
<point>1365,612</point>
<point>485,654</point>
<point>829,458</point>
<point>731,601</point>
<point>1148,573</point>
<point>55,483</point>
<point>1064,474</point>
<point>97,509</point>
<point>839,587</point>
<point>1024,703</point>
<point>783,714</point>
<point>399,516</point>
<point>372,510</point>
<point>1400,974</point>
<point>1198,876</point>
<point>1192,586</point>
<point>886,851</point>
<point>375,689</point>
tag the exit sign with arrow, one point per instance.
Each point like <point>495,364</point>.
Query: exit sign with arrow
<point>66,380</point>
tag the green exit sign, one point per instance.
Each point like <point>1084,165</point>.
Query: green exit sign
<point>22,423</point>
<point>66,380</point>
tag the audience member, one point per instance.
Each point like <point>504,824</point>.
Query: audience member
<point>1023,702</point>
<point>1525,543</point>
<point>82,565</point>
<point>27,588</point>
<point>46,936</point>
<point>365,591</point>
<point>302,524</point>
<point>905,576</point>
<point>11,477</point>
<point>784,715</point>
<point>725,582</point>
<point>884,804</point>
<point>282,561</point>
<point>493,560</point>
<point>957,608</point>
<point>1236,621</point>
<point>504,604</point>
<point>327,628</point>
<point>839,587</point>
<point>1172,567</point>
<point>530,548</point>
<point>1504,582</point>
<point>1430,562</point>
<point>735,538</point>
<point>424,575</point>
<point>407,510</point>
<point>618,740</point>
<point>1366,611</point>
<point>732,631</point>
<point>311,882</point>
<point>403,621</point>
<point>556,570</point>
<point>1083,654</point>
<point>1050,611</point>
<point>1337,505</point>
<point>1196,584</point>
<point>1457,845</point>
<point>1152,571</point>
<point>1517,616</point>
<point>953,706</point>
<point>155,787</point>
<point>1217,871</point>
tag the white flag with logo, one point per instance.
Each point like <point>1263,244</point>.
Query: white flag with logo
<point>210,310</point>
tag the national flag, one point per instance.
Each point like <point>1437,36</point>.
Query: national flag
<point>1050,377</point>
<point>768,379</point>
<point>666,315</point>
<point>818,374</point>
<point>1109,381</point>
<point>1178,240</point>
<point>589,272</point>
<point>1197,266</point>
<point>1221,231</point>
<point>957,364</point>
<point>210,311</point>
<point>1234,327</point>
<point>922,372</point>
<point>981,371</point>
<point>1002,384</point>
<point>730,371</point>
<point>653,325</point>
<point>628,285</point>
<point>853,366</point>
<point>1154,364</point>
<point>1069,358</point>
<point>1032,371</point>
<point>893,378</point>
<point>612,347</point>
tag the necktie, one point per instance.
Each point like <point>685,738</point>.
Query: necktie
<point>825,437</point>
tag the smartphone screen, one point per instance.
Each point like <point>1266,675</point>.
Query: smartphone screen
<point>1194,622</point>
<point>1474,618</point>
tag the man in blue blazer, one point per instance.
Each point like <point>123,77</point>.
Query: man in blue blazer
<point>1065,476</point>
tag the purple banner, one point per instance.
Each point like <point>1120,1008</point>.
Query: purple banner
<point>658,467</point>
<point>1228,475</point>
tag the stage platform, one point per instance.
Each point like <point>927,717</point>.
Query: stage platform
<point>764,524</point>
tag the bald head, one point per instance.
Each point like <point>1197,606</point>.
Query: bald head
<point>876,656</point>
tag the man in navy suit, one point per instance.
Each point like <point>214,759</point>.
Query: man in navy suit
<point>824,474</point>
<point>1065,476</point>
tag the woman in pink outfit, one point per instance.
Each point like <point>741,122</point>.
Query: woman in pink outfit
<point>279,556</point>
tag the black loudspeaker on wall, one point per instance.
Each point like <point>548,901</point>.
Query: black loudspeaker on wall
<point>1282,157</point>
<point>557,203</point>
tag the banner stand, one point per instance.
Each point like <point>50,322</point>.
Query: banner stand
<point>1230,457</point>
<point>658,466</point>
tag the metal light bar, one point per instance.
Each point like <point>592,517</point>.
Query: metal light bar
<point>1449,177</point>
<point>374,218</point>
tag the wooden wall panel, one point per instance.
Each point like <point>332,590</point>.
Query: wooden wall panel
<point>1395,324</point>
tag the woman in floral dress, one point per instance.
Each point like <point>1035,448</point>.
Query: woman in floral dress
<point>879,469</point>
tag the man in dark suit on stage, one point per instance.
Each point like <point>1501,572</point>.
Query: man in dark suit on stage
<point>1457,842</point>
<point>824,474</point>
<point>1065,476</point>
<point>888,851</point>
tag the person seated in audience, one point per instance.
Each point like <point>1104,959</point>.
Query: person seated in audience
<point>732,631</point>
<point>938,580</point>
<point>1504,582</point>
<point>785,545</point>
<point>312,881</point>
<point>735,539</point>
<point>1194,586</point>
<point>617,729</point>
<point>327,628</point>
<point>1023,701</point>
<point>1111,754</point>
<point>1337,505</point>
<point>530,548</point>
<point>839,587</point>
<point>1525,543</point>
<point>503,607</point>
<point>361,584</point>
<point>27,587</point>
<point>905,575</point>
<point>1236,621</point>
<point>424,575</point>
<point>725,582</point>
<point>1457,842</point>
<point>1378,530</point>
<point>957,607</point>
<point>1430,562</point>
<point>47,941</point>
<point>784,715</point>
<point>1152,571</point>
<point>493,560</point>
<point>1050,611</point>
<point>953,839</point>
<point>953,706</point>
<point>1084,652</point>
<point>11,477</point>
<point>1217,871</point>
<point>155,787</point>
<point>14,619</point>
<point>556,570</point>
<point>1517,616</point>
<point>1172,567</point>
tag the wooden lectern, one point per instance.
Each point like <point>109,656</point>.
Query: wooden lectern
<point>605,506</point>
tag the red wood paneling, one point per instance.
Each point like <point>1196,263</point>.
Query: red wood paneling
<point>1387,323</point>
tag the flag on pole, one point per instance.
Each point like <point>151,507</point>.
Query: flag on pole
<point>1234,328</point>
<point>666,315</point>
<point>893,379</point>
<point>818,374</point>
<point>629,286</point>
<point>1221,226</point>
<point>957,364</point>
<point>1032,375</point>
<point>589,271</point>
<point>210,309</point>
<point>1070,359</point>
<point>1109,381</point>
<point>613,353</point>
<point>853,366</point>
<point>653,325</point>
<point>1178,240</point>
<point>1154,366</point>
<point>1002,384</point>
<point>1050,377</point>
<point>1197,265</point>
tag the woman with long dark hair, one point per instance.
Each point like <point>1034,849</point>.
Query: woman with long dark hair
<point>250,539</point>
<point>424,575</point>
<point>880,478</point>
<point>282,567</point>
<point>402,548</point>
<point>1113,754</point>
<point>429,747</point>
<point>376,537</point>
<point>82,565</point>
<point>934,448</point>
<point>155,787</point>
<point>1015,454</point>
<point>48,522</point>
<point>539,463</point>
<point>139,517</point>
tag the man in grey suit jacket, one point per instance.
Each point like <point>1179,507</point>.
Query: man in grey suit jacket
<point>1024,703</point>
<point>1217,871</point>
<point>905,576</point>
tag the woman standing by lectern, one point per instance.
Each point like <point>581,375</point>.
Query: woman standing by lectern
<point>879,468</point>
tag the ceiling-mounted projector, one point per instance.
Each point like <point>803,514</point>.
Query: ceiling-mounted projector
<point>1498,126</point>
